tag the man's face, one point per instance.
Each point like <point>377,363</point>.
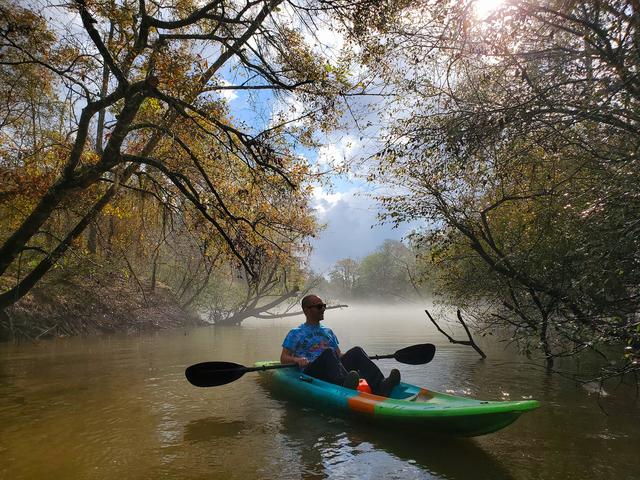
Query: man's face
<point>315,309</point>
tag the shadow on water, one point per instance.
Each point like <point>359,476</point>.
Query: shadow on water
<point>210,428</point>
<point>326,444</point>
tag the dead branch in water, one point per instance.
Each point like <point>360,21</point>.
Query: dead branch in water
<point>469,342</point>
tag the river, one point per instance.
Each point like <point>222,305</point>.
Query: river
<point>120,407</point>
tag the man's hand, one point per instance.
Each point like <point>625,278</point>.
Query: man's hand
<point>287,357</point>
<point>301,361</point>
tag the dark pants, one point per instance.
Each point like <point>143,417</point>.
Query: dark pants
<point>330,368</point>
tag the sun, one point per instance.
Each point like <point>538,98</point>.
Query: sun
<point>484,8</point>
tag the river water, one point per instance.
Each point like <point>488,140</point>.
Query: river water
<point>120,407</point>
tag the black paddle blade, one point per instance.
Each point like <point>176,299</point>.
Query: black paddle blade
<point>416,354</point>
<point>212,374</point>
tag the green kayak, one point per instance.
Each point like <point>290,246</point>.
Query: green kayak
<point>408,406</point>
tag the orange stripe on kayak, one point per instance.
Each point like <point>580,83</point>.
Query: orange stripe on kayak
<point>364,402</point>
<point>424,394</point>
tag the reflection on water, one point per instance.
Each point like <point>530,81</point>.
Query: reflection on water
<point>335,448</point>
<point>120,407</point>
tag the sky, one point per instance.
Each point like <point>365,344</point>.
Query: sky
<point>349,210</point>
<point>346,207</point>
<point>352,227</point>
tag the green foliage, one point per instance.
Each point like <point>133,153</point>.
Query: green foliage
<point>523,159</point>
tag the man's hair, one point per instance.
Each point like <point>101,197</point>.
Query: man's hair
<point>307,300</point>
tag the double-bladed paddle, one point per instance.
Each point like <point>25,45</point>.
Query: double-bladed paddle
<point>213,374</point>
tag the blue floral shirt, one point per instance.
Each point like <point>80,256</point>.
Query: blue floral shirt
<point>309,341</point>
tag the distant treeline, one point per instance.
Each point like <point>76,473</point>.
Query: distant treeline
<point>394,272</point>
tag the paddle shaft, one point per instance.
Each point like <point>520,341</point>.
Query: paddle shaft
<point>380,357</point>
<point>289,365</point>
<point>212,374</point>
<point>270,367</point>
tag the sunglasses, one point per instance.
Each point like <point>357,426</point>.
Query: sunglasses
<point>319,306</point>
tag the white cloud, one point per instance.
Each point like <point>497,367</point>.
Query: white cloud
<point>340,152</point>
<point>330,38</point>
<point>287,109</point>
<point>323,37</point>
<point>326,41</point>
<point>352,228</point>
<point>324,201</point>
<point>228,95</point>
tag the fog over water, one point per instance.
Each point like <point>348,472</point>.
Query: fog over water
<point>119,406</point>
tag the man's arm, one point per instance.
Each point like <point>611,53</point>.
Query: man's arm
<point>287,357</point>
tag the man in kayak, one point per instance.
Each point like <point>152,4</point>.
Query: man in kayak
<point>315,349</point>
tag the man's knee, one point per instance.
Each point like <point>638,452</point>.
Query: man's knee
<point>356,352</point>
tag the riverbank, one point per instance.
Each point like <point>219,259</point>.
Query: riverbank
<point>71,303</point>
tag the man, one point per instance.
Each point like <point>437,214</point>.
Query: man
<point>314,348</point>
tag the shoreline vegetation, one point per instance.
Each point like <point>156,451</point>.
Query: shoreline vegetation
<point>72,303</point>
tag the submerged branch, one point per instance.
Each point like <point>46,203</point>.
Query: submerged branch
<point>469,342</point>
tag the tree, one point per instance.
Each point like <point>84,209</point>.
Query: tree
<point>384,275</point>
<point>138,94</point>
<point>390,273</point>
<point>277,284</point>
<point>344,276</point>
<point>521,152</point>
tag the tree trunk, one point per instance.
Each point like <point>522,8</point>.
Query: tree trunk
<point>71,180</point>
<point>544,340</point>
<point>260,312</point>
<point>154,270</point>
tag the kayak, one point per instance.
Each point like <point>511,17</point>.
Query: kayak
<point>408,406</point>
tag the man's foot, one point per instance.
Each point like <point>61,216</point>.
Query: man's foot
<point>388,383</point>
<point>351,380</point>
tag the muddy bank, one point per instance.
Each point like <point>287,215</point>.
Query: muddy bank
<point>68,304</point>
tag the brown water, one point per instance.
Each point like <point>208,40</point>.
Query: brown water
<point>119,407</point>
